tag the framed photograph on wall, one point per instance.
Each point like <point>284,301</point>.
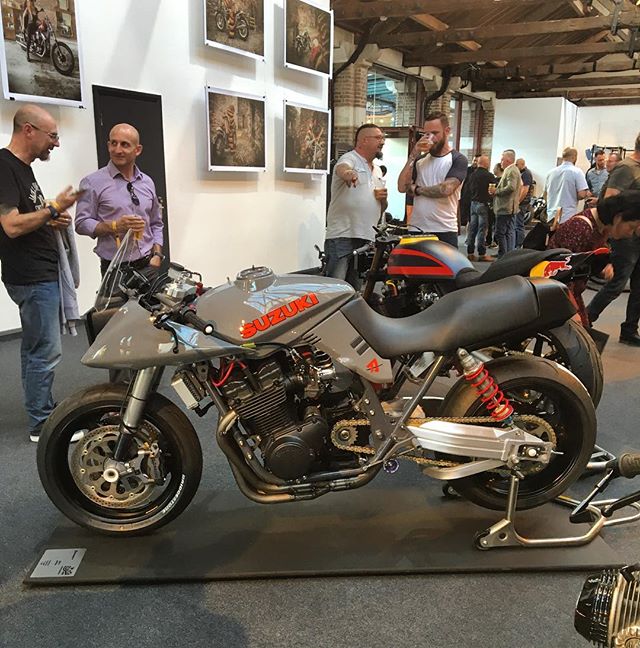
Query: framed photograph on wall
<point>51,71</point>
<point>236,127</point>
<point>306,139</point>
<point>308,42</point>
<point>236,26</point>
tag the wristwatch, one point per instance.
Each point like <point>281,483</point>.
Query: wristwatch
<point>158,254</point>
<point>55,214</point>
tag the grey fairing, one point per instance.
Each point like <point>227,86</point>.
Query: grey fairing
<point>131,341</point>
<point>337,337</point>
<point>236,305</point>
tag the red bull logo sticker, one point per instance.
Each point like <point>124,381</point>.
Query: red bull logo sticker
<point>550,269</point>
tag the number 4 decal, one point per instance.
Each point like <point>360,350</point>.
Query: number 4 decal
<point>374,366</point>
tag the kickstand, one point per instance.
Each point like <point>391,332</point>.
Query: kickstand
<point>599,460</point>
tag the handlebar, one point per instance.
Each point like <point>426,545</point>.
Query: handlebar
<point>627,465</point>
<point>190,317</point>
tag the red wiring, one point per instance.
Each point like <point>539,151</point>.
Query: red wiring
<point>224,378</point>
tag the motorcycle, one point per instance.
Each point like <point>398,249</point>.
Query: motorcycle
<point>244,22</point>
<point>416,270</point>
<point>302,43</point>
<point>44,43</point>
<point>298,368</point>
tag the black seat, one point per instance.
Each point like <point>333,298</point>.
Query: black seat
<point>516,262</point>
<point>470,318</point>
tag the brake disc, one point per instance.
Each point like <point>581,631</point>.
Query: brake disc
<point>88,466</point>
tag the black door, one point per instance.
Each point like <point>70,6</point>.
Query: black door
<point>143,111</point>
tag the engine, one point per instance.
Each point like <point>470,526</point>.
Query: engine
<point>277,402</point>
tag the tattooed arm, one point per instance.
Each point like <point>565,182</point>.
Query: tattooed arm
<point>441,190</point>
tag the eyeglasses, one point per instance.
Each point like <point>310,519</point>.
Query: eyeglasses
<point>54,136</point>
<point>134,199</point>
<point>378,137</point>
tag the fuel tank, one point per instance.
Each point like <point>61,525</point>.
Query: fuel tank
<point>425,258</point>
<point>260,306</point>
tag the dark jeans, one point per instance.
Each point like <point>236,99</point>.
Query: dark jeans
<point>520,224</point>
<point>340,262</point>
<point>477,231</point>
<point>41,347</point>
<point>505,233</point>
<point>625,258</point>
<point>447,237</point>
<point>490,227</point>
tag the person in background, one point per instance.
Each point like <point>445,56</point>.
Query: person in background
<point>439,175</point>
<point>625,255</point>
<point>565,186</point>
<point>357,201</point>
<point>29,255</point>
<point>525,199</point>
<point>597,176</point>
<point>491,229</point>
<point>613,158</point>
<point>480,199</point>
<point>506,197</point>
<point>615,218</point>
<point>119,197</point>
<point>465,194</point>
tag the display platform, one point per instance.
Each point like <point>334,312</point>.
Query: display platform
<point>395,530</point>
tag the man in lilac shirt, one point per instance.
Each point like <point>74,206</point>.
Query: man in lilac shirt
<point>119,197</point>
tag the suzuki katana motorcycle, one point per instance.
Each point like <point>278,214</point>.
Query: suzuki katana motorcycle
<point>410,272</point>
<point>299,369</point>
<point>44,43</point>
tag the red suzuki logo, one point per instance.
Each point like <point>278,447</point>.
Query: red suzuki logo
<point>553,267</point>
<point>374,366</point>
<point>278,315</point>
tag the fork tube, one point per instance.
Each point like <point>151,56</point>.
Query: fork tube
<point>142,387</point>
<point>437,365</point>
<point>373,270</point>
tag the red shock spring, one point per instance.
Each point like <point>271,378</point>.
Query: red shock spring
<point>497,404</point>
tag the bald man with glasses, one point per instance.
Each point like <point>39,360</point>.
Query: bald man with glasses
<point>119,197</point>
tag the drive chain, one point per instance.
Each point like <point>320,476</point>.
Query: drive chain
<point>425,461</point>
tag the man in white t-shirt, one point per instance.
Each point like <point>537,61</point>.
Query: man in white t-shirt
<point>437,180</point>
<point>565,186</point>
<point>355,207</point>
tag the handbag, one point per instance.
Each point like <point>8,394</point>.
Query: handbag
<point>538,237</point>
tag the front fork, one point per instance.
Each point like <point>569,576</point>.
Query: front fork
<point>144,384</point>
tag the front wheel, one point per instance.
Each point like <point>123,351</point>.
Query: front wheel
<point>242,28</point>
<point>62,58</point>
<point>544,389</point>
<point>166,463</point>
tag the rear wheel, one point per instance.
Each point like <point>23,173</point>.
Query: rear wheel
<point>571,346</point>
<point>543,389</point>
<point>165,463</point>
<point>62,58</point>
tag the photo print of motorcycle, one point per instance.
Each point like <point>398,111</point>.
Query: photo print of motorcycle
<point>298,369</point>
<point>45,44</point>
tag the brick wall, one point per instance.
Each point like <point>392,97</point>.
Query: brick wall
<point>486,141</point>
<point>349,105</point>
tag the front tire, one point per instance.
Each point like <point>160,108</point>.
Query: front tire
<point>544,389</point>
<point>73,477</point>
<point>62,58</point>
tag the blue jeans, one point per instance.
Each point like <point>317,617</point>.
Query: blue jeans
<point>447,237</point>
<point>41,347</point>
<point>340,261</point>
<point>625,258</point>
<point>505,233</point>
<point>477,230</point>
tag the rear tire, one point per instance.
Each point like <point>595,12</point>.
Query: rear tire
<point>545,389</point>
<point>72,474</point>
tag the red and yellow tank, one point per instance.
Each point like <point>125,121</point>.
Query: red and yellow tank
<point>425,258</point>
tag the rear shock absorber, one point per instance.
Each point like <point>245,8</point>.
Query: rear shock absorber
<point>497,404</point>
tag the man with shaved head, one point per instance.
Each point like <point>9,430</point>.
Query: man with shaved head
<point>29,255</point>
<point>119,197</point>
<point>480,200</point>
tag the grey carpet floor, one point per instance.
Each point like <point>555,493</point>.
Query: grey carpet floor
<point>484,611</point>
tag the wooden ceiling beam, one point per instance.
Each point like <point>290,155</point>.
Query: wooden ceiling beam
<point>451,58</point>
<point>586,103</point>
<point>396,8</point>
<point>573,95</point>
<point>527,71</point>
<point>555,83</point>
<point>434,38</point>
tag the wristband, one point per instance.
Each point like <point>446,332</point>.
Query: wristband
<point>158,254</point>
<point>114,226</point>
<point>55,214</point>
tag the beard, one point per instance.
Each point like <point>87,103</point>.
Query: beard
<point>437,148</point>
<point>379,155</point>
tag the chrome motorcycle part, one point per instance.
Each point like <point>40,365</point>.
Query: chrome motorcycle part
<point>188,387</point>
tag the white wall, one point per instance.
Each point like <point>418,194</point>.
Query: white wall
<point>219,222</point>
<point>533,128</point>
<point>606,126</point>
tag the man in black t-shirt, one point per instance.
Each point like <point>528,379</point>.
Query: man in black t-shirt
<point>480,200</point>
<point>29,255</point>
<point>525,200</point>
